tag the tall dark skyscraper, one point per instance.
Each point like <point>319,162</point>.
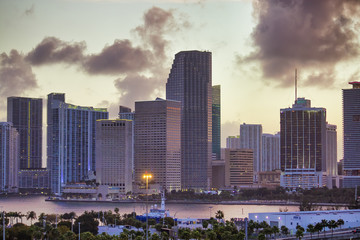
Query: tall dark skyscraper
<point>26,116</point>
<point>302,145</point>
<point>216,121</point>
<point>71,141</point>
<point>351,122</point>
<point>190,82</point>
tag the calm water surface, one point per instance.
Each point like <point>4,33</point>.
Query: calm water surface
<point>39,205</point>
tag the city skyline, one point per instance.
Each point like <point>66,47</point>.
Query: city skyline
<point>57,51</point>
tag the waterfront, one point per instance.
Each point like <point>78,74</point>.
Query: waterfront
<point>39,205</point>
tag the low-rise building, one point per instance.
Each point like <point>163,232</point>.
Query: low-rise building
<point>292,219</point>
<point>34,180</point>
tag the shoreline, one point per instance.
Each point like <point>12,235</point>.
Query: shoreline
<point>249,202</point>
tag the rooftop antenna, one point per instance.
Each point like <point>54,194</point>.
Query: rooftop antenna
<point>295,84</point>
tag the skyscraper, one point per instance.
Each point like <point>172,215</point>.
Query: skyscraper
<point>26,116</point>
<point>9,157</point>
<point>71,141</point>
<point>216,121</point>
<point>302,145</point>
<point>331,150</point>
<point>270,152</point>
<point>351,123</point>
<point>251,138</point>
<point>190,82</point>
<point>158,142</point>
<point>114,154</point>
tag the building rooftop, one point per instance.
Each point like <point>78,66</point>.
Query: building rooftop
<point>355,84</point>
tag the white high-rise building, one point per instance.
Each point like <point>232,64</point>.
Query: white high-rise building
<point>114,154</point>
<point>331,150</point>
<point>251,138</point>
<point>270,152</point>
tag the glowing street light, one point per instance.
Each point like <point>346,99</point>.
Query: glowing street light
<point>147,176</point>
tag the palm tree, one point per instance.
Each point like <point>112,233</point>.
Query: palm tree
<point>325,224</point>
<point>219,215</point>
<point>284,230</point>
<point>275,230</point>
<point>340,222</point>
<point>318,228</point>
<point>31,215</point>
<point>300,233</point>
<point>310,229</point>
<point>332,224</point>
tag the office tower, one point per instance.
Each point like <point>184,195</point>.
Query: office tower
<point>251,138</point>
<point>331,150</point>
<point>26,116</point>
<point>233,142</point>
<point>125,113</point>
<point>302,145</point>
<point>351,123</point>
<point>71,141</point>
<point>114,154</point>
<point>239,167</point>
<point>216,121</point>
<point>158,142</point>
<point>270,152</point>
<point>9,157</point>
<point>190,83</point>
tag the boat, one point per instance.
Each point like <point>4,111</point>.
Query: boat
<point>155,212</point>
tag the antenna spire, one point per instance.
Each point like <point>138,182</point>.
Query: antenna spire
<point>295,84</point>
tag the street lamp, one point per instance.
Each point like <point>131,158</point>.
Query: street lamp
<point>79,230</point>
<point>147,176</point>
<point>210,211</point>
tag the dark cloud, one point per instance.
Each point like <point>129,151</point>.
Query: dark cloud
<point>16,76</point>
<point>120,57</point>
<point>54,50</point>
<point>311,35</point>
<point>157,23</point>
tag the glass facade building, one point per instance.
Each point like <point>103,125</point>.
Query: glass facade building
<point>351,123</point>
<point>26,116</point>
<point>9,158</point>
<point>71,141</point>
<point>190,82</point>
<point>302,145</point>
<point>216,121</point>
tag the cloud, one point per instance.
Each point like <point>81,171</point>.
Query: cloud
<point>141,69</point>
<point>120,57</point>
<point>136,87</point>
<point>157,23</point>
<point>53,50</point>
<point>311,35</point>
<point>16,76</point>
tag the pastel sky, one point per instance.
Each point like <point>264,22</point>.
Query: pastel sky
<point>104,53</point>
